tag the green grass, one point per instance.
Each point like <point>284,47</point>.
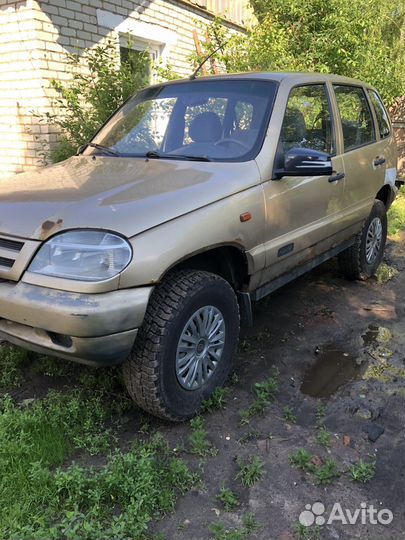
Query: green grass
<point>250,471</point>
<point>396,214</point>
<point>323,474</point>
<point>227,498</point>
<point>54,367</point>
<point>385,273</point>
<point>289,415</point>
<point>301,532</point>
<point>12,360</point>
<point>301,459</point>
<point>324,438</point>
<point>36,438</point>
<point>217,401</point>
<point>200,446</point>
<point>250,435</point>
<point>320,415</point>
<point>327,472</point>
<point>220,532</point>
<point>362,472</point>
<point>264,393</point>
<point>43,497</point>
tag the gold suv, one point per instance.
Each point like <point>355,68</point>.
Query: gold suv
<point>196,198</point>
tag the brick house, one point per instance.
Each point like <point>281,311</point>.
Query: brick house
<point>35,36</point>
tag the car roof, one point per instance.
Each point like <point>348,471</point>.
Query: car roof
<point>295,78</point>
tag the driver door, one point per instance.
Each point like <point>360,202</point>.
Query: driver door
<point>304,213</point>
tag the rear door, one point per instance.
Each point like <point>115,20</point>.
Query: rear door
<point>385,144</point>
<point>363,157</point>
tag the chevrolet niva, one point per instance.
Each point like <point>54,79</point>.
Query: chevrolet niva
<point>195,198</point>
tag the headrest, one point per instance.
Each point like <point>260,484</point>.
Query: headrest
<point>206,127</point>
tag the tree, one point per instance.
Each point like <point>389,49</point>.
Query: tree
<point>357,38</point>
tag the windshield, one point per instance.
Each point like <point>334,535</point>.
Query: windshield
<point>217,120</point>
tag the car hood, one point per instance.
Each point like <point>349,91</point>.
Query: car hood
<point>127,195</point>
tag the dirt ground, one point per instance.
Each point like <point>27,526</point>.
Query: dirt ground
<point>336,344</point>
<point>306,330</point>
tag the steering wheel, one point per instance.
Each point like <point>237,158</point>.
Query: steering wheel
<point>230,140</point>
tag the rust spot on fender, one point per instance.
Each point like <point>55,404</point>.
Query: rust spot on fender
<point>49,227</point>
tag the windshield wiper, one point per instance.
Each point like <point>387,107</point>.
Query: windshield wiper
<point>152,154</point>
<point>104,149</point>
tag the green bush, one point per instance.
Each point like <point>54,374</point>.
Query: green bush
<point>100,83</point>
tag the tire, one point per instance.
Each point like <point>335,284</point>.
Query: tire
<point>156,373</point>
<point>361,260</point>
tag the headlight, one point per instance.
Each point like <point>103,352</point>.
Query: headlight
<point>83,255</point>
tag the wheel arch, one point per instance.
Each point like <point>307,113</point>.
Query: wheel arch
<point>229,261</point>
<point>386,195</point>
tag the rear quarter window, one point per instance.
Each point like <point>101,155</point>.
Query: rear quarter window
<point>383,121</point>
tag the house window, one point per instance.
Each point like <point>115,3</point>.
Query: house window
<point>138,62</point>
<point>140,55</point>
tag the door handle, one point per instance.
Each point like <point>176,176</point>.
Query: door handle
<point>379,161</point>
<point>336,177</point>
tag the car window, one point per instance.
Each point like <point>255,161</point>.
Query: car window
<point>355,114</point>
<point>217,120</point>
<point>307,120</point>
<point>381,113</point>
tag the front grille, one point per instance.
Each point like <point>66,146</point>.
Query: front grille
<point>13,245</point>
<point>6,262</point>
<point>10,249</point>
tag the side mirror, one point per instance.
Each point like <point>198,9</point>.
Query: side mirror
<point>81,149</point>
<point>305,162</point>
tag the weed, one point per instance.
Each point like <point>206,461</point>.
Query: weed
<point>200,446</point>
<point>35,440</point>
<point>268,389</point>
<point>320,415</point>
<point>307,533</point>
<point>221,532</point>
<point>227,498</point>
<point>384,372</point>
<point>246,345</point>
<point>250,523</point>
<point>265,392</point>
<point>327,472</point>
<point>54,367</point>
<point>250,435</point>
<point>256,408</point>
<point>144,482</point>
<point>385,273</point>
<point>324,437</point>
<point>12,360</point>
<point>362,472</point>
<point>289,415</point>
<point>301,459</point>
<point>250,471</point>
<point>217,401</point>
<point>234,378</point>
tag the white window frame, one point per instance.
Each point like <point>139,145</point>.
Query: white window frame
<point>144,35</point>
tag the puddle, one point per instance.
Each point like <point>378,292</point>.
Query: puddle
<point>333,369</point>
<point>376,334</point>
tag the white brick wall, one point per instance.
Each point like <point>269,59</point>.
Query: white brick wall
<point>35,36</point>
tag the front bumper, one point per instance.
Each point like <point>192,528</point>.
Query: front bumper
<point>95,329</point>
